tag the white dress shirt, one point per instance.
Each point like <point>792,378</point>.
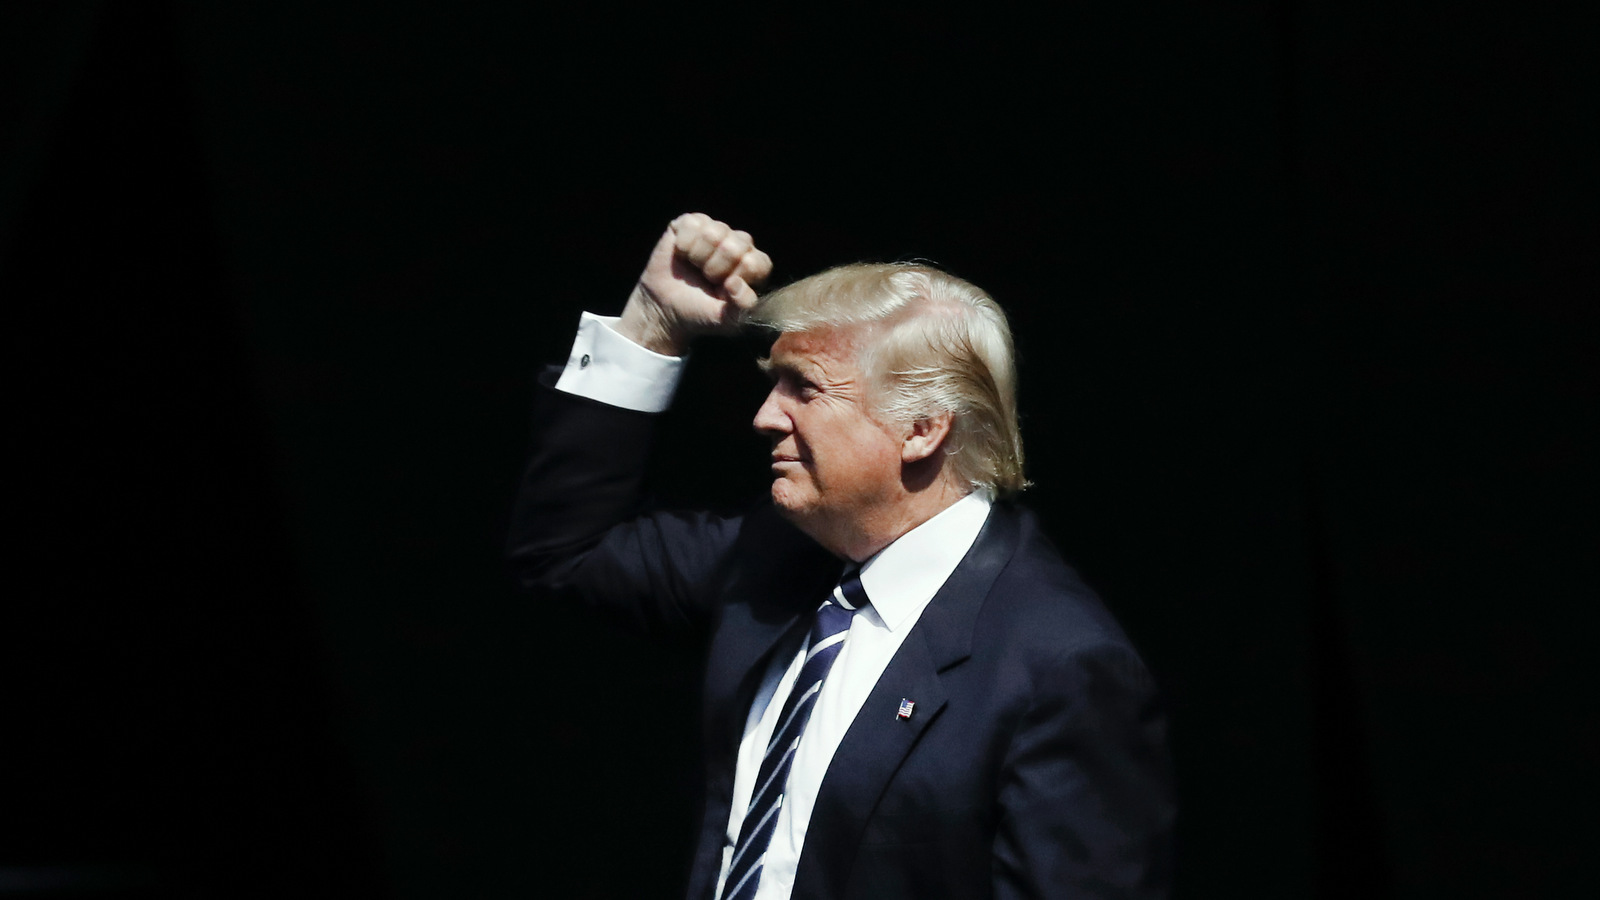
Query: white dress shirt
<point>899,582</point>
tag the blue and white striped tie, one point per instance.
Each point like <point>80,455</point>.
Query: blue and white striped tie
<point>761,816</point>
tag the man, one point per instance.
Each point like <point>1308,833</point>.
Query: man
<point>908,693</point>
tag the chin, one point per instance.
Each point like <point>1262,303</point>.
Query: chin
<point>790,505</point>
<point>783,496</point>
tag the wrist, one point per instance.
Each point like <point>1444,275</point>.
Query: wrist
<point>645,323</point>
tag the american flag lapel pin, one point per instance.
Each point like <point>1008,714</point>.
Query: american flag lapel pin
<point>906,706</point>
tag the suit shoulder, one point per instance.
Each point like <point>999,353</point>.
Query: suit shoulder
<point>1038,602</point>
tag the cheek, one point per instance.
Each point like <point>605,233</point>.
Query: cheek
<point>861,463</point>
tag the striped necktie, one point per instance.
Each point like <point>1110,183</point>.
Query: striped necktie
<point>828,632</point>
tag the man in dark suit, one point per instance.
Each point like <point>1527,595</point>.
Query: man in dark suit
<point>908,693</point>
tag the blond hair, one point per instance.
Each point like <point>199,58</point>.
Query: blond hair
<point>936,344</point>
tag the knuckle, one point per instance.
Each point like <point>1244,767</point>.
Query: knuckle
<point>733,248</point>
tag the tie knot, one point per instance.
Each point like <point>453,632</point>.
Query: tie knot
<point>835,613</point>
<point>850,594</point>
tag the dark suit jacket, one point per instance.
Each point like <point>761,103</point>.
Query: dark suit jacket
<point>1034,764</point>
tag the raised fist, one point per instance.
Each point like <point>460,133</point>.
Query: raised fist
<point>701,279</point>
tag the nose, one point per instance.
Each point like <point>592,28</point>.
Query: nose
<point>770,418</point>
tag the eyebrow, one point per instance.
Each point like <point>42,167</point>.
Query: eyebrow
<point>773,369</point>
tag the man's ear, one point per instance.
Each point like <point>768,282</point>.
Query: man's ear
<point>925,436</point>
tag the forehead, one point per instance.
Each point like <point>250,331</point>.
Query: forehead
<point>829,348</point>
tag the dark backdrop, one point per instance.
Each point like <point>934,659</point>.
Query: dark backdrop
<point>1304,295</point>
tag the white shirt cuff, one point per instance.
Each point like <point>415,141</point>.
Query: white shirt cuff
<point>607,367</point>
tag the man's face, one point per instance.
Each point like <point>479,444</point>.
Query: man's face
<point>833,463</point>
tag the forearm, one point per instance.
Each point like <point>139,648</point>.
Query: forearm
<point>584,476</point>
<point>591,440</point>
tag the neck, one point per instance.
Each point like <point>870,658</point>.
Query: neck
<point>879,528</point>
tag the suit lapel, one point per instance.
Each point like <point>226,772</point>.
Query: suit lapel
<point>879,740</point>
<point>765,613</point>
<point>741,652</point>
<point>780,577</point>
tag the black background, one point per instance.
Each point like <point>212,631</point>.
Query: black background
<point>1305,301</point>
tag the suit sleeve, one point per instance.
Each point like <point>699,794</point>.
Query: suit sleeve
<point>577,526</point>
<point>1086,805</point>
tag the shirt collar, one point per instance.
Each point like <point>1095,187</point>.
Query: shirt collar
<point>901,578</point>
